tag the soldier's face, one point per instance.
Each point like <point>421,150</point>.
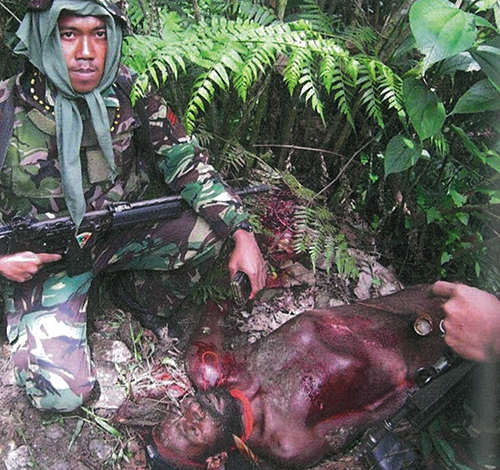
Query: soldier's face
<point>84,45</point>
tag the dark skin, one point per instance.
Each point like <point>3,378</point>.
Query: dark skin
<point>321,378</point>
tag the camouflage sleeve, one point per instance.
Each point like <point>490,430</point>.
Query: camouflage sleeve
<point>184,165</point>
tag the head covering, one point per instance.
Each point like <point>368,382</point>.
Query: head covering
<point>117,7</point>
<point>40,43</point>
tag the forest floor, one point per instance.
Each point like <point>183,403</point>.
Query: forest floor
<point>131,362</point>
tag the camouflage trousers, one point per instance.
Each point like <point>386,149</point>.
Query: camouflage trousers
<point>47,316</point>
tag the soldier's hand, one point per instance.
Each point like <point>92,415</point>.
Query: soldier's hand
<point>472,321</point>
<point>21,267</point>
<point>247,257</point>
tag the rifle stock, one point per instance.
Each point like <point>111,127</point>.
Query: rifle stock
<point>58,235</point>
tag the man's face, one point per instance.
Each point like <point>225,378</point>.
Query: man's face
<point>84,46</point>
<point>194,433</point>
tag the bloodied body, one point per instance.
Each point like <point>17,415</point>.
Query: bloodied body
<point>312,385</point>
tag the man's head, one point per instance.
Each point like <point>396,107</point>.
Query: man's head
<point>75,43</point>
<point>204,427</point>
<point>84,45</point>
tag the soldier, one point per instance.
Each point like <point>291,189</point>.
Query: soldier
<point>75,148</point>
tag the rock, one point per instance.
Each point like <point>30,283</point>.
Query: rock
<point>8,377</point>
<point>54,431</point>
<point>112,392</point>
<point>18,459</point>
<point>61,466</point>
<point>107,375</point>
<point>100,449</point>
<point>111,351</point>
<point>111,398</point>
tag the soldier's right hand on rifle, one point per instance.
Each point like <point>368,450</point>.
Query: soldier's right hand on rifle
<point>21,267</point>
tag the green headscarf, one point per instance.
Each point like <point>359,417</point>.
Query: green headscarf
<point>40,43</point>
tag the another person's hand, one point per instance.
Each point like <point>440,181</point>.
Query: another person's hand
<point>247,257</point>
<point>21,267</point>
<point>472,321</point>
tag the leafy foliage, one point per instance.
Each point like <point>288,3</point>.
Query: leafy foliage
<point>388,115</point>
<point>236,53</point>
<point>316,234</point>
<point>457,189</point>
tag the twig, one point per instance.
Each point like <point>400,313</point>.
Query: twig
<point>10,12</point>
<point>342,170</point>
<point>297,147</point>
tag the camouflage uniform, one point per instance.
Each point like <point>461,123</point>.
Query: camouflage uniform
<point>46,316</point>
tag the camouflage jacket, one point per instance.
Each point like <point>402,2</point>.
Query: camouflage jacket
<point>30,180</point>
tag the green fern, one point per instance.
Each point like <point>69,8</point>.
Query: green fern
<point>252,11</point>
<point>257,61</point>
<point>369,92</point>
<point>316,235</point>
<point>341,86</point>
<point>391,90</point>
<point>311,12</point>
<point>311,93</point>
<point>225,54</point>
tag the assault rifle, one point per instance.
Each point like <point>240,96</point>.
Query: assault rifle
<point>439,386</point>
<point>57,235</point>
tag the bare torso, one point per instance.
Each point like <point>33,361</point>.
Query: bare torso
<point>327,374</point>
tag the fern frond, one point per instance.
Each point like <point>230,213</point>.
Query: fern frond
<point>257,61</point>
<point>391,87</point>
<point>441,144</point>
<point>311,12</point>
<point>299,60</point>
<point>369,92</point>
<point>340,87</point>
<point>249,10</point>
<point>235,156</point>
<point>316,235</point>
<point>225,53</point>
<point>311,93</point>
<point>361,38</point>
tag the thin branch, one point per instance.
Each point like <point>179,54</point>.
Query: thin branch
<point>10,12</point>
<point>196,10</point>
<point>297,147</point>
<point>342,170</point>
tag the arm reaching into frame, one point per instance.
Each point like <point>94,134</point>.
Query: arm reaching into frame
<point>472,321</point>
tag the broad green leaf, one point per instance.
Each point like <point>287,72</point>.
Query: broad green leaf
<point>462,61</point>
<point>488,57</point>
<point>463,218</point>
<point>441,30</point>
<point>493,161</point>
<point>445,257</point>
<point>426,112</point>
<point>401,153</point>
<point>432,214</point>
<point>481,97</point>
<point>458,198</point>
